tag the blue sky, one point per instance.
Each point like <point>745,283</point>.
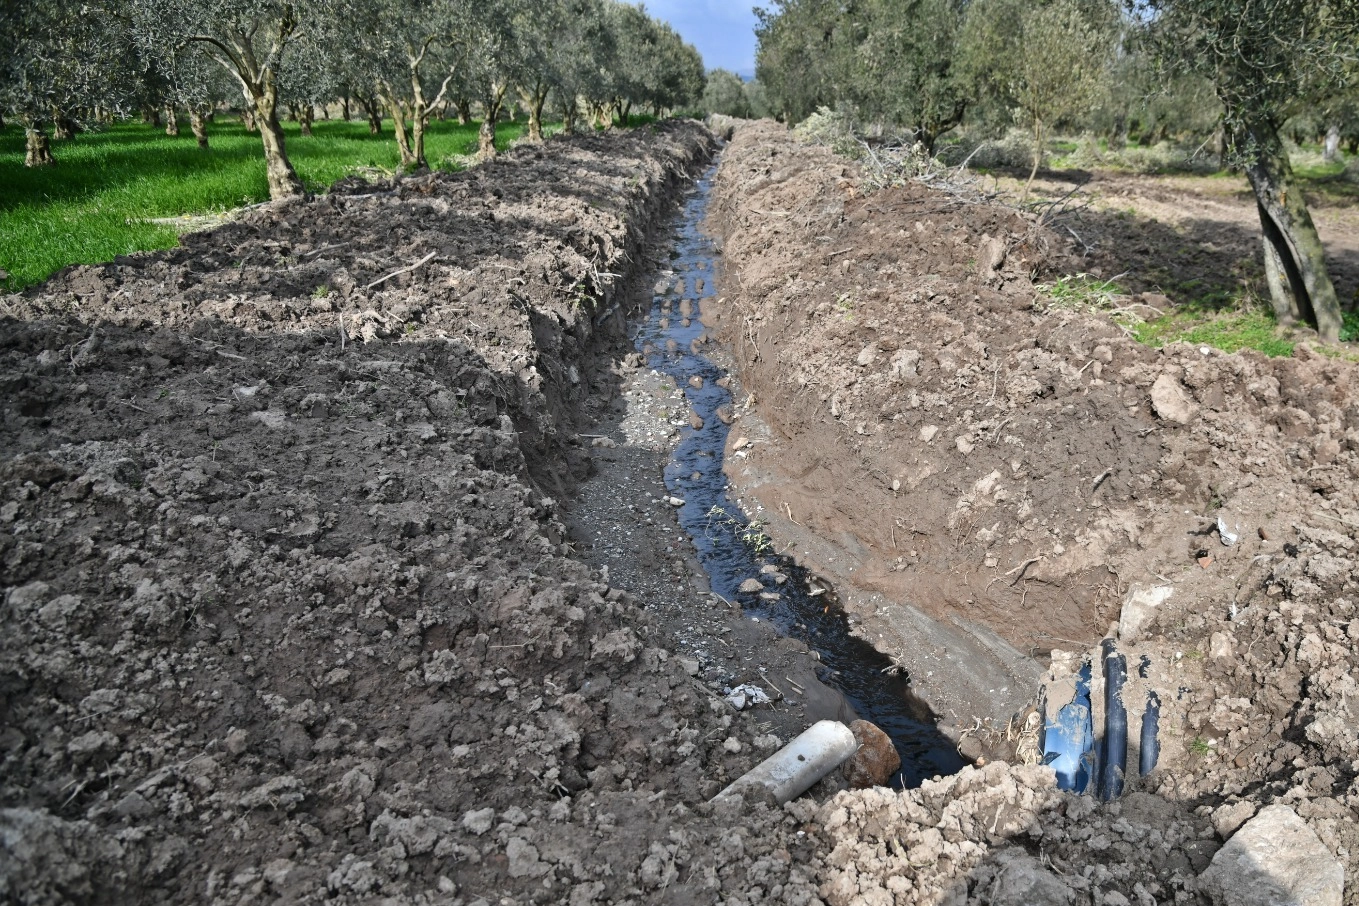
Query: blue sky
<point>722,30</point>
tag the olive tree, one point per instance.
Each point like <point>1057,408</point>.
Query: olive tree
<point>413,52</point>
<point>250,40</point>
<point>578,50</point>
<point>1262,56</point>
<point>901,67</point>
<point>498,50</point>
<point>58,63</point>
<point>725,94</point>
<point>796,42</point>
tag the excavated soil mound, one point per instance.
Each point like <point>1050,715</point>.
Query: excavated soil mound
<point>287,616</point>
<point>926,431</point>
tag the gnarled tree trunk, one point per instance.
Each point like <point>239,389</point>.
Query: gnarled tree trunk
<point>248,118</point>
<point>493,103</point>
<point>1331,147</point>
<point>534,98</point>
<point>199,124</point>
<point>397,111</point>
<point>373,109</point>
<point>464,108</point>
<point>37,148</point>
<point>283,181</point>
<point>171,120</point>
<point>1300,284</point>
<point>305,117</point>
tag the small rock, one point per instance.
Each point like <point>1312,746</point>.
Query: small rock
<point>237,741</point>
<point>876,759</point>
<point>740,443</point>
<point>695,421</point>
<point>479,821</point>
<point>1220,647</point>
<point>868,355</point>
<point>928,432</point>
<point>675,501</point>
<point>1170,401</point>
<point>696,381</point>
<point>731,744</point>
<point>690,665</point>
<point>605,442</point>
<point>964,445</point>
<point>1228,818</point>
<point>726,414</point>
<point>751,587</point>
<point>1275,859</point>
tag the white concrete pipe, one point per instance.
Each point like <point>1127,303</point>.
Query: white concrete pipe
<point>792,770</point>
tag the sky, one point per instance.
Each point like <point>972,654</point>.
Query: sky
<point>722,30</point>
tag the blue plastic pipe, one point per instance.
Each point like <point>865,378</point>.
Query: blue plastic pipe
<point>1068,737</point>
<point>1151,718</point>
<point>1115,761</point>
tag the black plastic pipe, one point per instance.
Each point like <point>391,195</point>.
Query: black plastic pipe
<point>1151,744</point>
<point>1115,760</point>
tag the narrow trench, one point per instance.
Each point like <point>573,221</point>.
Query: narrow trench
<point>669,338</point>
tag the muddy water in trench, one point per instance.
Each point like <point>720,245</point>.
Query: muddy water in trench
<point>668,339</point>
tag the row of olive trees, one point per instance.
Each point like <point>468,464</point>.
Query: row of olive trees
<point>409,59</point>
<point>1237,70</point>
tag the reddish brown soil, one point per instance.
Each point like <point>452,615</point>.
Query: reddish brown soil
<point>928,433</point>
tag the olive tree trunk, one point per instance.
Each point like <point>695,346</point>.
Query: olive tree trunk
<point>37,147</point>
<point>283,181</point>
<point>1330,149</point>
<point>1037,157</point>
<point>1300,286</point>
<point>171,120</point>
<point>397,111</point>
<point>534,98</point>
<point>493,104</point>
<point>464,108</point>
<point>372,108</point>
<point>199,124</point>
<point>258,80</point>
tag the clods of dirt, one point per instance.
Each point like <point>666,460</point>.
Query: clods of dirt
<point>289,613</point>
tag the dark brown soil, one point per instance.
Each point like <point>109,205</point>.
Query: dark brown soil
<point>288,612</point>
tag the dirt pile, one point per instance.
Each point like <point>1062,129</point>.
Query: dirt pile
<point>287,615</point>
<point>930,434</point>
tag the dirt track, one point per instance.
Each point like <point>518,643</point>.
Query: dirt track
<point>290,616</point>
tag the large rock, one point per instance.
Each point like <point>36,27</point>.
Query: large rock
<point>876,759</point>
<point>1171,402</point>
<point>1020,880</point>
<point>1139,606</point>
<point>1275,859</point>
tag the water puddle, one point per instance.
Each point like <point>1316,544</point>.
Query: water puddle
<point>867,678</point>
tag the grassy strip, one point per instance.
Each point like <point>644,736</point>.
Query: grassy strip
<point>1226,323</point>
<point>99,199</point>
<point>1229,331</point>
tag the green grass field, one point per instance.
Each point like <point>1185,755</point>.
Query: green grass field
<point>107,187</point>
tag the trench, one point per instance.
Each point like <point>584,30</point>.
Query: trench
<point>671,339</point>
